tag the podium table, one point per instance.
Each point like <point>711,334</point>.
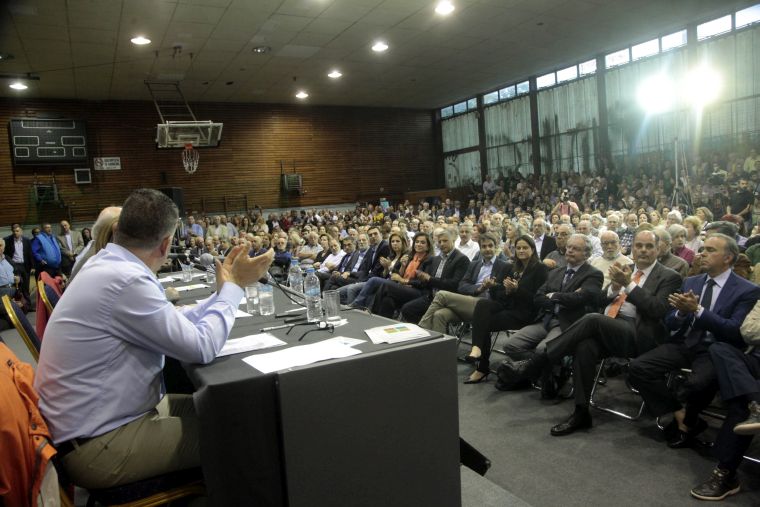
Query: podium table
<point>376,429</point>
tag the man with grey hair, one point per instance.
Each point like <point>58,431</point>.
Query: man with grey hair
<point>584,227</point>
<point>105,219</point>
<point>443,272</point>
<point>666,257</point>
<point>465,244</point>
<point>611,255</point>
<point>706,313</point>
<point>544,244</point>
<point>308,252</point>
<point>99,375</point>
<point>566,296</point>
<point>556,259</point>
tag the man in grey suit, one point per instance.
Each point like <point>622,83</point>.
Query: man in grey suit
<point>632,323</point>
<point>71,244</point>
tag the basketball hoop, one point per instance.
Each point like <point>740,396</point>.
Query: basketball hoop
<point>190,158</point>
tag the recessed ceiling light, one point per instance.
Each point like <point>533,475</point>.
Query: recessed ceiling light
<point>261,49</point>
<point>302,95</point>
<point>334,74</point>
<point>444,8</point>
<point>140,40</point>
<point>18,85</point>
<point>6,56</point>
<point>379,47</point>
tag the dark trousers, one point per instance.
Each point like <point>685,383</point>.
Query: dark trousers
<point>648,373</point>
<point>391,297</point>
<point>592,337</point>
<point>19,269</point>
<point>50,270</point>
<point>490,316</point>
<point>336,282</point>
<point>738,375</point>
<point>416,308</point>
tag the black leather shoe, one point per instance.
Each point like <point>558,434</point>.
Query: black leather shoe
<point>752,425</point>
<point>513,372</point>
<point>720,485</point>
<point>682,439</point>
<point>577,421</point>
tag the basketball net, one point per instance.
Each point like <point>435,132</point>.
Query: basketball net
<point>190,159</point>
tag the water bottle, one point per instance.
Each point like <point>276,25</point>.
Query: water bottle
<point>313,301</point>
<point>295,276</point>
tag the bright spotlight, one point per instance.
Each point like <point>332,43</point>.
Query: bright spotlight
<point>655,94</point>
<point>703,86</point>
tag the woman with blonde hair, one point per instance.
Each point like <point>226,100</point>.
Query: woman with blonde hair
<point>693,227</point>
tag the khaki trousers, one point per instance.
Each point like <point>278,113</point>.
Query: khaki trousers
<point>448,307</point>
<point>162,441</point>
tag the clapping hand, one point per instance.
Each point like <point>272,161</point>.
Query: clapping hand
<point>510,284</point>
<point>620,275</point>
<point>242,270</point>
<point>684,303</point>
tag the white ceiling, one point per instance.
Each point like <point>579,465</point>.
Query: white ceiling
<point>81,48</point>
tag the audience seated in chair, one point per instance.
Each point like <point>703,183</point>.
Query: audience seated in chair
<point>452,307</point>
<point>509,306</point>
<point>710,309</point>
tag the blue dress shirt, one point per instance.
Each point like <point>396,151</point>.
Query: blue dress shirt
<point>102,360</point>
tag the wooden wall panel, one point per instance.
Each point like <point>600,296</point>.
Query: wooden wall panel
<point>344,154</point>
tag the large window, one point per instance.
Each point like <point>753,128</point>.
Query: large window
<point>746,17</point>
<point>674,40</point>
<point>645,49</point>
<point>715,27</point>
<point>617,58</point>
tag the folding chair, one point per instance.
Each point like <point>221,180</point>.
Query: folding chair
<point>23,326</point>
<point>596,405</point>
<point>48,295</point>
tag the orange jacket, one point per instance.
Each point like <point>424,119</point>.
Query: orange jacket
<point>24,437</point>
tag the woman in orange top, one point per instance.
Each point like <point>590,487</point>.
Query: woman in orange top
<point>398,288</point>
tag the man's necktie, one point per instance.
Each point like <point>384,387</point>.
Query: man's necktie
<point>568,276</point>
<point>614,308</point>
<point>697,335</point>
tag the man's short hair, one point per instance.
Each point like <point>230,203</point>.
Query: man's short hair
<point>489,236</point>
<point>722,227</point>
<point>147,217</point>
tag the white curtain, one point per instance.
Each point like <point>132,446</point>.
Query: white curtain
<point>463,169</point>
<point>567,117</point>
<point>460,132</point>
<point>508,122</point>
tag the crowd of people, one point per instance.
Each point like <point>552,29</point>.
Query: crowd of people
<point>632,265</point>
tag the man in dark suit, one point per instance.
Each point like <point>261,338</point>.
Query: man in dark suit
<point>18,250</point>
<point>442,272</point>
<point>369,265</point>
<point>636,303</point>
<point>351,262</point>
<point>459,306</point>
<point>565,297</point>
<point>710,309</point>
<point>544,243</point>
<point>739,381</point>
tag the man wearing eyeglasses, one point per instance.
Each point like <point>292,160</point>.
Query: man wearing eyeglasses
<point>610,255</point>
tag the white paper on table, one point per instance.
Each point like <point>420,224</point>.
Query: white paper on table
<point>239,314</point>
<point>344,340</point>
<point>396,333</point>
<point>191,287</point>
<point>250,342</point>
<point>300,356</point>
<point>166,279</point>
